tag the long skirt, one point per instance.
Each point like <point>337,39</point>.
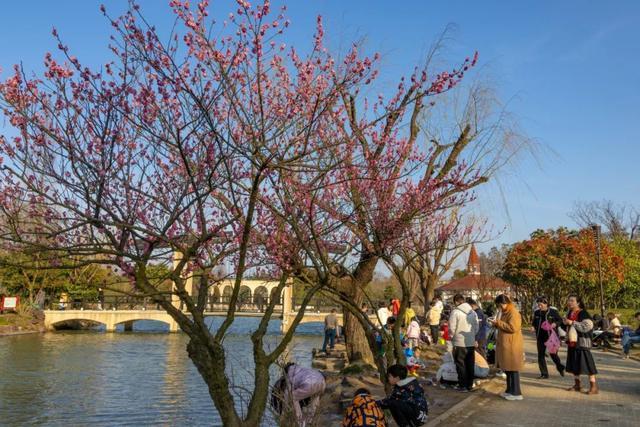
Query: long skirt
<point>580,362</point>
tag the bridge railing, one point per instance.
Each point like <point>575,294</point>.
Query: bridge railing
<point>317,306</point>
<point>111,302</point>
<point>108,302</point>
<point>214,304</point>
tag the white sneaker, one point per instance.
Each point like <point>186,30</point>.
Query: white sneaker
<point>501,375</point>
<point>512,397</point>
<point>504,395</point>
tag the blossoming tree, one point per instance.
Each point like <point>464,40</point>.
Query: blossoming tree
<point>178,146</point>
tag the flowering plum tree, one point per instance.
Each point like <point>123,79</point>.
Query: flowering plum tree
<point>387,179</point>
<point>185,145</point>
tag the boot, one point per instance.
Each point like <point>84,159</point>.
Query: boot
<point>576,386</point>
<point>593,388</point>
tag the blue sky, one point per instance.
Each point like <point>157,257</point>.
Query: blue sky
<point>569,70</point>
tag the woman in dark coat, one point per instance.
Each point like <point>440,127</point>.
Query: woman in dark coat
<point>579,335</point>
<point>550,315</point>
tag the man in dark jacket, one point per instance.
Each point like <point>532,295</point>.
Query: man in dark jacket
<point>551,315</point>
<point>407,403</point>
<point>483,327</point>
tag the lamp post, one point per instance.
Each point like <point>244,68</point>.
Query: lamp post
<point>597,234</point>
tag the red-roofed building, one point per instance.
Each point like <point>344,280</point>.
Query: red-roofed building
<point>475,284</point>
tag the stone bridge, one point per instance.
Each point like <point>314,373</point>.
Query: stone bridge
<point>253,297</point>
<point>109,318</point>
<point>112,318</point>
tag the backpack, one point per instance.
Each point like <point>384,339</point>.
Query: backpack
<point>364,412</point>
<point>491,345</point>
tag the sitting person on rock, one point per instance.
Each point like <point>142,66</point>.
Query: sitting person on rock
<point>447,374</point>
<point>364,411</point>
<point>407,403</point>
<point>481,367</point>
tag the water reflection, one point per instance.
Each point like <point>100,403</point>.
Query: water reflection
<point>81,378</point>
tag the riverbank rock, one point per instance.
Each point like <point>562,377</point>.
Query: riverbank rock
<point>14,323</point>
<point>330,362</point>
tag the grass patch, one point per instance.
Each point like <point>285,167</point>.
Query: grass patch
<point>15,319</point>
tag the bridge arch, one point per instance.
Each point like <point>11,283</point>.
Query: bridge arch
<point>260,295</point>
<point>215,295</point>
<point>244,296</point>
<point>273,294</point>
<point>59,323</point>
<point>150,318</point>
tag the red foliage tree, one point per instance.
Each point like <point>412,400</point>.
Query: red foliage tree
<point>558,262</point>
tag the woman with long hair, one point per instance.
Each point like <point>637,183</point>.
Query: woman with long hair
<point>579,327</point>
<point>509,345</point>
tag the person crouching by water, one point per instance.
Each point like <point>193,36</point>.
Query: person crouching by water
<point>364,411</point>
<point>509,345</point>
<point>301,389</point>
<point>544,313</point>
<point>407,403</point>
<point>579,335</point>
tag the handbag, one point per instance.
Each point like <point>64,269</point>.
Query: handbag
<point>553,343</point>
<point>572,335</point>
<point>562,333</point>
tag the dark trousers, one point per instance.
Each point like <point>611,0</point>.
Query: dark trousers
<point>513,383</point>
<point>542,360</point>
<point>465,359</point>
<point>404,413</point>
<point>329,337</point>
<point>604,339</point>
<point>435,331</point>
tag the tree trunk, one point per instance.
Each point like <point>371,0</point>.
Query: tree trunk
<point>210,366</point>
<point>429,290</point>
<point>258,403</point>
<point>357,345</point>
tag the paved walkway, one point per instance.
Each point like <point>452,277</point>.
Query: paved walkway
<point>547,403</point>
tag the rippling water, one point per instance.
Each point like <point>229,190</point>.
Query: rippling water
<point>140,378</point>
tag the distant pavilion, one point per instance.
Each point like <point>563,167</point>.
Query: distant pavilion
<point>480,287</point>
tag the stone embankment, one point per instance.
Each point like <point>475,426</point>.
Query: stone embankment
<point>17,324</point>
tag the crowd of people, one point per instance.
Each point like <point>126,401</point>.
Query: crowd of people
<point>473,339</point>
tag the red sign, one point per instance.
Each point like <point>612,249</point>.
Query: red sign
<point>9,303</point>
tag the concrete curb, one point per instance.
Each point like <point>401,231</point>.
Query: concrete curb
<point>458,407</point>
<point>619,353</point>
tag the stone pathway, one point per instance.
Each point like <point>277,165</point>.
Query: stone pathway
<point>547,403</point>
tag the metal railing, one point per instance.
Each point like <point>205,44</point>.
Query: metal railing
<point>110,302</point>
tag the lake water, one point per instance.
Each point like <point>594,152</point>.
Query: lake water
<point>78,378</point>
